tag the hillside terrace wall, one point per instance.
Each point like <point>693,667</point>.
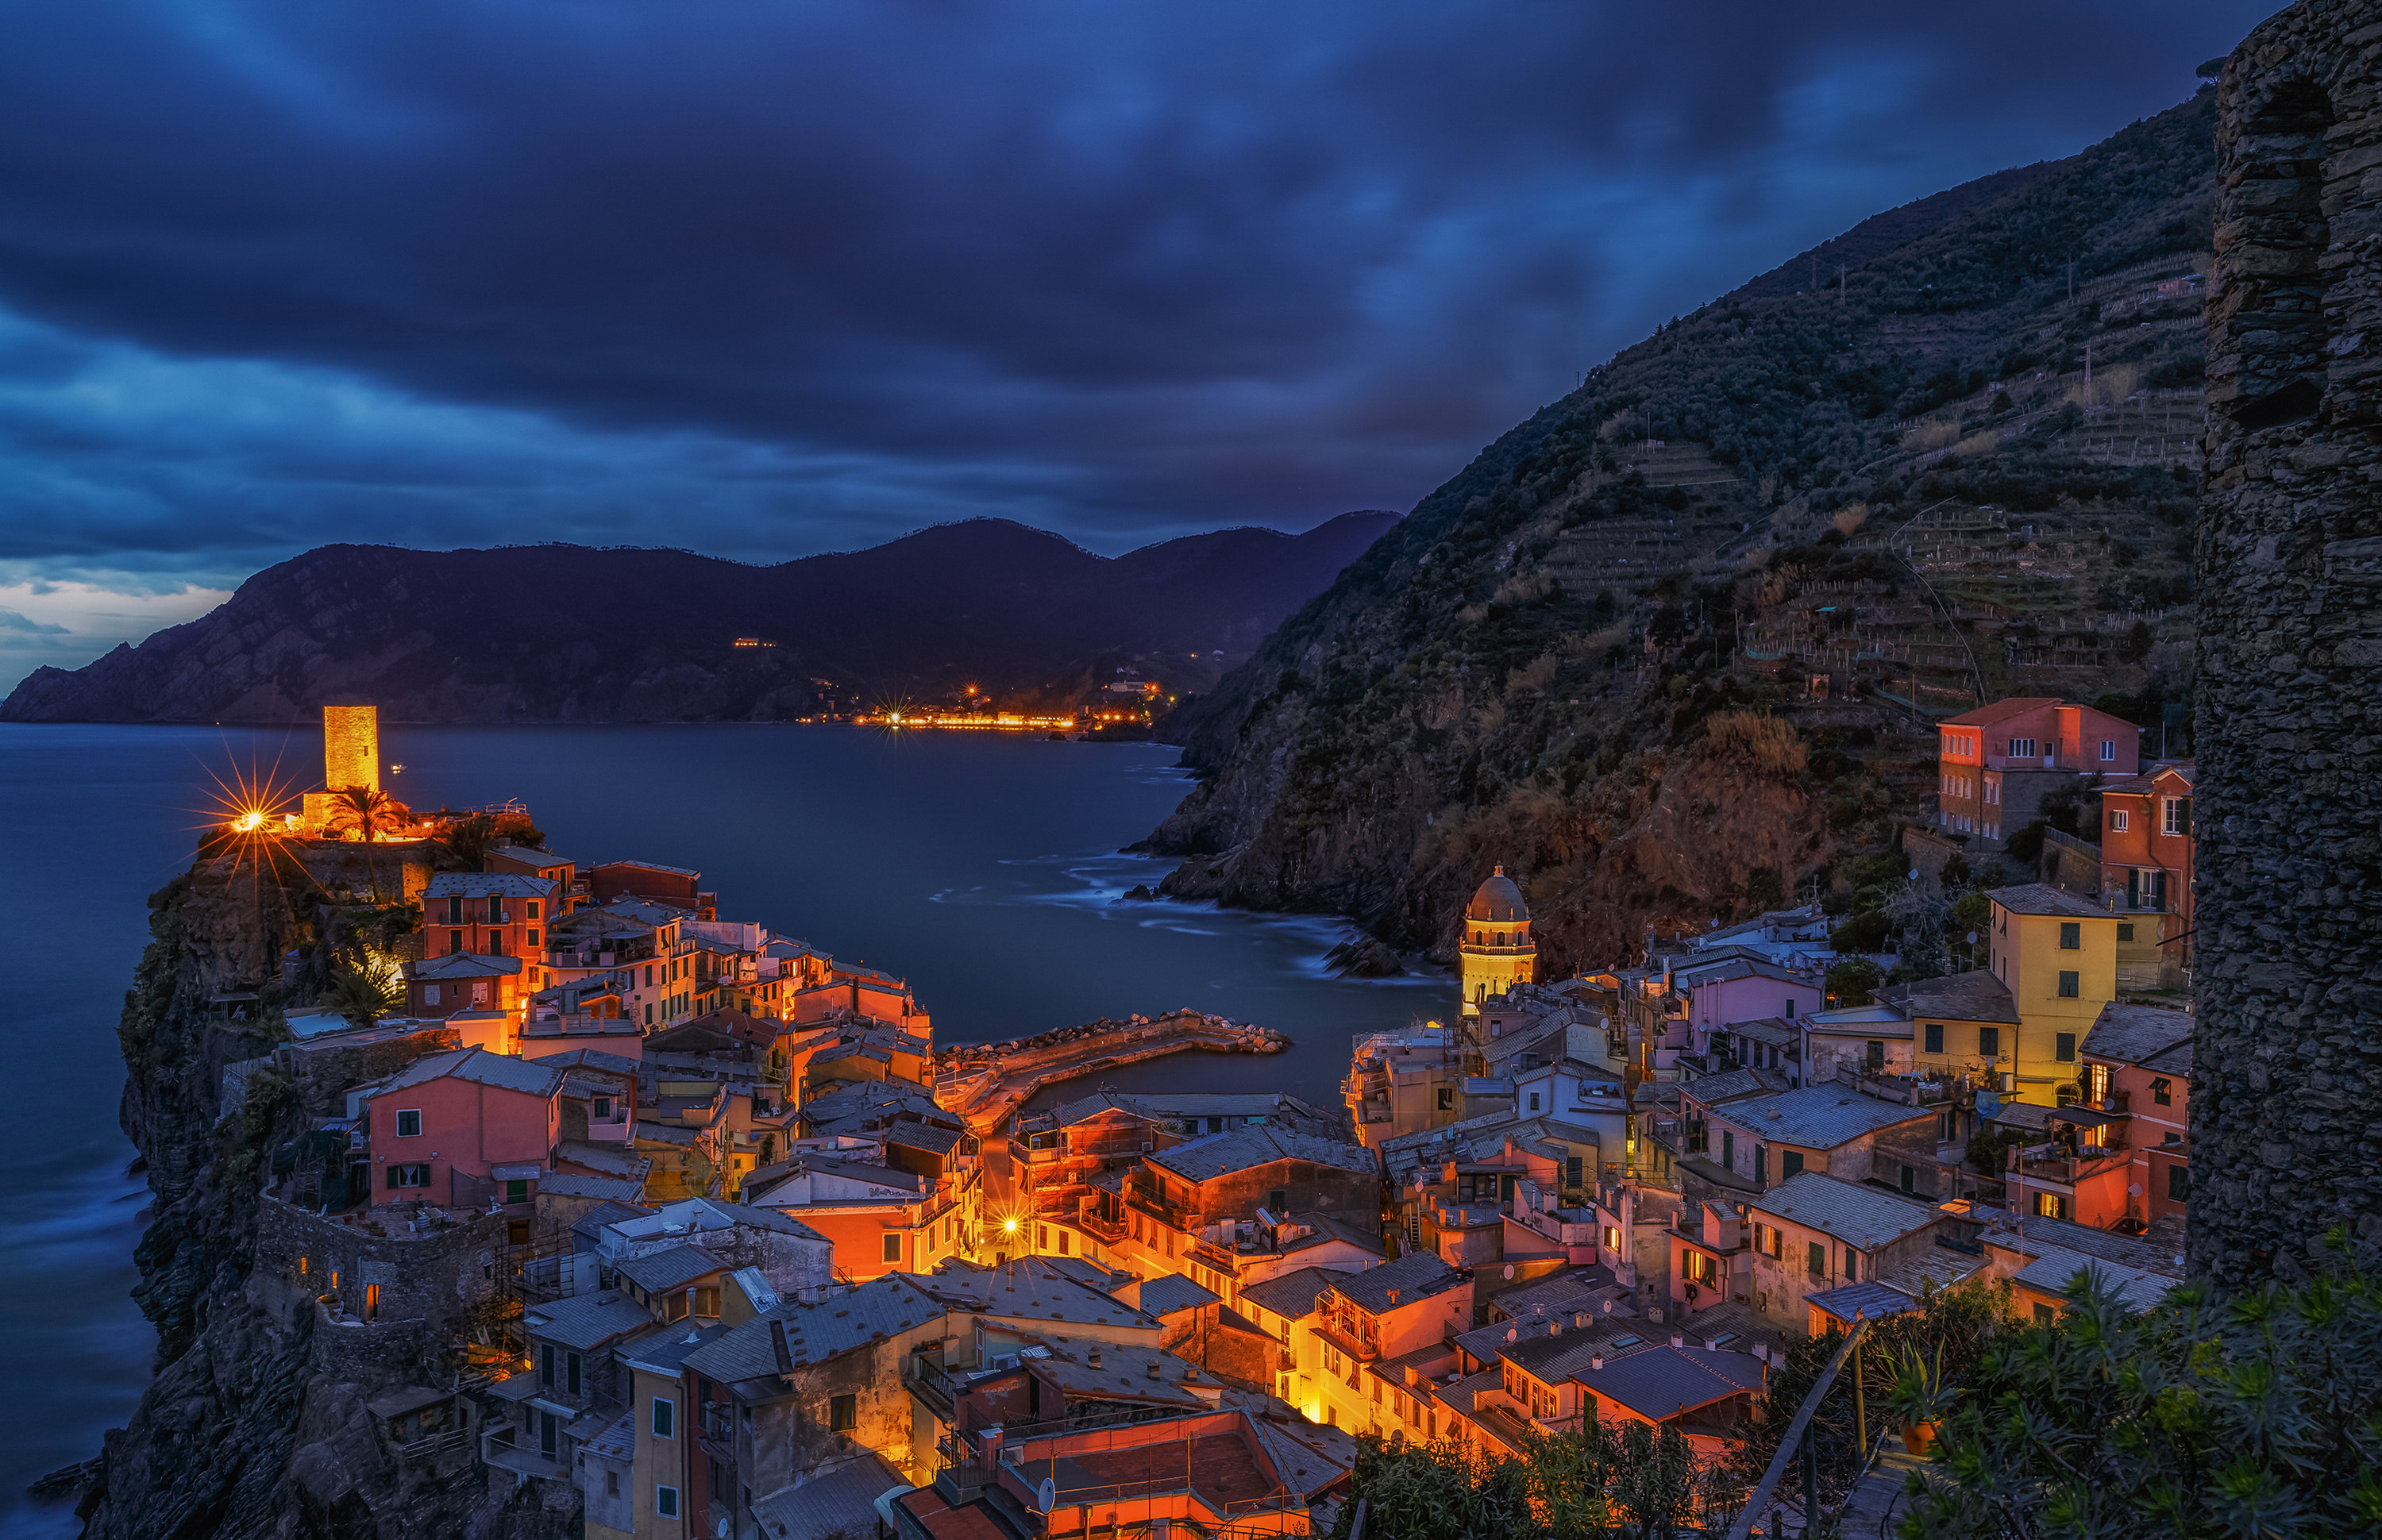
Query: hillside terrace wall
<point>434,1276</point>
<point>2288,554</point>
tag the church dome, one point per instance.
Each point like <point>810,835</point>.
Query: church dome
<point>1498,901</point>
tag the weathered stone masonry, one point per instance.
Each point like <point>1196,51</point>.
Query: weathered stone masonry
<point>2287,1099</point>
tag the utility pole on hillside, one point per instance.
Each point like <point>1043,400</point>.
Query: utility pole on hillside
<point>2071,283</point>
<point>1840,284</point>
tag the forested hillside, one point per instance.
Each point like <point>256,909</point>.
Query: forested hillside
<point>1672,647</point>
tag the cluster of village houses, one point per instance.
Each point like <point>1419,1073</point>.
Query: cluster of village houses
<point>768,1287</point>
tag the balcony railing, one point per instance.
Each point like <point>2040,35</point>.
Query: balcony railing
<point>931,1380</point>
<point>1107,1228</point>
<point>497,1448</point>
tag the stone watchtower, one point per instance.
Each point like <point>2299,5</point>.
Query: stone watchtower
<point>1497,952</point>
<point>2287,1069</point>
<point>351,747</point>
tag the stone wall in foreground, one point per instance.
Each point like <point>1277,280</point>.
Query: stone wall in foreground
<point>2287,1080</point>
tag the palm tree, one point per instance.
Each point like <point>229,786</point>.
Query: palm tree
<point>362,995</point>
<point>369,813</point>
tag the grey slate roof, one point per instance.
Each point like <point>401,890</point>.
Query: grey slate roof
<point>1243,1148</point>
<point>1818,1116</point>
<point>461,965</point>
<point>590,1058</point>
<point>814,1333</point>
<point>1663,1381</point>
<point>617,1442</point>
<point>1868,1218</point>
<point>913,1135</point>
<point>1553,1356</point>
<point>1562,1293</point>
<point>1170,1292</point>
<point>1028,1289</point>
<point>842,1501</point>
<point>1418,1275</point>
<point>659,1272</point>
<point>586,1320</point>
<point>1096,1104</point>
<point>1973,997</point>
<point>486,885</point>
<point>2056,1266</point>
<point>2037,897</point>
<point>1293,1295</point>
<point>611,1211</point>
<point>614,1159</point>
<point>663,1348</point>
<point>2142,1034</point>
<point>1870,1301</point>
<point>529,1076</point>
<point>1712,1090</point>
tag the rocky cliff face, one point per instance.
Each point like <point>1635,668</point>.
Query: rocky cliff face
<point>2288,970</point>
<point>256,1423</point>
<point>1672,647</point>
<point>559,633</point>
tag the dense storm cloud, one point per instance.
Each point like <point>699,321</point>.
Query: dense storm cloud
<point>764,279</point>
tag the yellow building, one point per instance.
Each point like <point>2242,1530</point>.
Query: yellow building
<point>1496,952</point>
<point>2057,954</point>
<point>2051,965</point>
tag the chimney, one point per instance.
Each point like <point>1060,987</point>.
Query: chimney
<point>1096,1358</point>
<point>1597,1362</point>
<point>1677,1340</point>
<point>1153,1369</point>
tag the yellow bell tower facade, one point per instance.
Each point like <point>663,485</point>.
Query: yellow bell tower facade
<point>1497,952</point>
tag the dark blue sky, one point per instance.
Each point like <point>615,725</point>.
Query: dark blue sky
<point>763,277</point>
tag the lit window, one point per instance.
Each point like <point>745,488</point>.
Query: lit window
<point>2163,1092</point>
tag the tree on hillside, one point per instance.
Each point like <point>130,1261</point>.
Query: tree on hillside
<point>469,838</point>
<point>2259,1416</point>
<point>1606,1479</point>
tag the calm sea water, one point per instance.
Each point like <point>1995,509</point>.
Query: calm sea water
<point>981,867</point>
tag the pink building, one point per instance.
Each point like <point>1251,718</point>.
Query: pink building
<point>1995,763</point>
<point>464,1128</point>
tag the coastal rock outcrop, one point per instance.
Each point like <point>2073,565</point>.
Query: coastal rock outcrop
<point>259,1419</point>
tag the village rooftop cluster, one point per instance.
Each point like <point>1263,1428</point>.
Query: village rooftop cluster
<point>684,1217</point>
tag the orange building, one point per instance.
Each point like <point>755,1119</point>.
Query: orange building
<point>2146,870</point>
<point>2128,1135</point>
<point>1997,763</point>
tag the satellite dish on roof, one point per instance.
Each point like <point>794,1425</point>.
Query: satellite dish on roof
<point>1509,1270</point>
<point>1972,938</point>
<point>1047,1495</point>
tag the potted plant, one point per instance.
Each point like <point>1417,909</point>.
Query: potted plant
<point>1919,1400</point>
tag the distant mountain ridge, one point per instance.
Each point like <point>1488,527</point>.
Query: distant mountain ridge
<point>570,633</point>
